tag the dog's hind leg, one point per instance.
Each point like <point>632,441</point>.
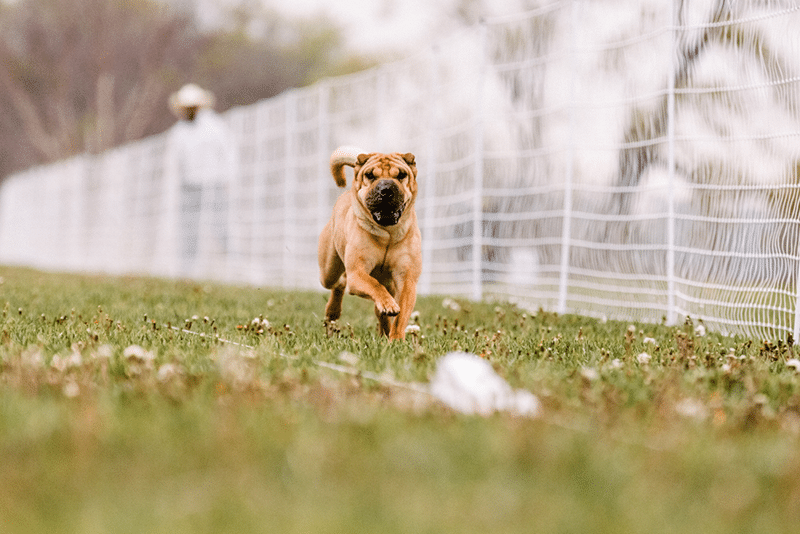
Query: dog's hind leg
<point>333,310</point>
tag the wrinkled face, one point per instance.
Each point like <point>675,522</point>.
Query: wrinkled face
<point>386,184</point>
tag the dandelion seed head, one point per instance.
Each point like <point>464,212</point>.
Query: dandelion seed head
<point>700,330</point>
<point>451,304</point>
<point>643,358</point>
<point>259,323</point>
<point>590,373</point>
<point>413,329</point>
<point>137,353</point>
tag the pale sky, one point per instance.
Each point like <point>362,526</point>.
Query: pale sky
<point>378,24</point>
<point>374,26</point>
<point>384,25</point>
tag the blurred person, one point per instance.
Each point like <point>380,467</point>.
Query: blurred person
<point>199,170</point>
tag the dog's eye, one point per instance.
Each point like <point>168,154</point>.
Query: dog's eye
<point>401,175</point>
<point>369,176</point>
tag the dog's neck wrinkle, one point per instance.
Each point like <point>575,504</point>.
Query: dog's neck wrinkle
<point>393,234</point>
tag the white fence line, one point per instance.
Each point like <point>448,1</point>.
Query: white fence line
<point>636,160</point>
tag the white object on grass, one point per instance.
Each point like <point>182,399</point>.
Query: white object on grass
<point>468,384</point>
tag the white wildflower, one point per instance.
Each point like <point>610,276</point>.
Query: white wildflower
<point>643,358</point>
<point>590,373</point>
<point>700,330</point>
<point>794,363</point>
<point>167,372</point>
<point>61,363</point>
<point>259,323</point>
<point>414,317</point>
<point>413,329</point>
<point>71,390</point>
<point>138,359</point>
<point>135,352</point>
<point>649,340</point>
<point>616,363</point>
<point>451,304</point>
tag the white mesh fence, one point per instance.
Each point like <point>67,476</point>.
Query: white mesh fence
<point>635,159</point>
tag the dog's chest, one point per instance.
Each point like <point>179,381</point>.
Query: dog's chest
<point>383,274</point>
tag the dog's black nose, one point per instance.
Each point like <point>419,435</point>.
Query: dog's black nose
<point>385,188</point>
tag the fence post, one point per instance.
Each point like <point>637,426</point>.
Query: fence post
<point>289,194</point>
<point>253,245</point>
<point>477,198</point>
<point>429,174</point>
<point>323,154</point>
<point>566,228</point>
<point>671,312</point>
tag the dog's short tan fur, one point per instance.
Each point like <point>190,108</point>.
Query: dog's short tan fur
<point>376,260</point>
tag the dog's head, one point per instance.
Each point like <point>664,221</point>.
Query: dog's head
<point>386,184</point>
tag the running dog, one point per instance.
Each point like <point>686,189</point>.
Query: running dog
<point>371,246</point>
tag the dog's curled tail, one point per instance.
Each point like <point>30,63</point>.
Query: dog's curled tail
<point>344,155</point>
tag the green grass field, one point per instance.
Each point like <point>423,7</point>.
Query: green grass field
<point>190,434</point>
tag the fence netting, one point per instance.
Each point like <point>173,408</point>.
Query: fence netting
<point>624,159</point>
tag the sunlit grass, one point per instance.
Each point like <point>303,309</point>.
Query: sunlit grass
<point>113,421</point>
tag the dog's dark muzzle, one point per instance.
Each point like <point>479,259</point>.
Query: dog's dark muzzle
<point>386,203</point>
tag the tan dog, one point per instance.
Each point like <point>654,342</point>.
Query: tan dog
<point>371,246</point>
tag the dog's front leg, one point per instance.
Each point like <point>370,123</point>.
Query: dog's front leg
<point>360,283</point>
<point>407,299</point>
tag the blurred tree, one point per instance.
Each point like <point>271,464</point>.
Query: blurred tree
<point>87,75</point>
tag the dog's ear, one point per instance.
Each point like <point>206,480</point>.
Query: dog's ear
<point>362,158</point>
<point>409,158</point>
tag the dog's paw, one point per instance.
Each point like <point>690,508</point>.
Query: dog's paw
<point>331,328</point>
<point>389,307</point>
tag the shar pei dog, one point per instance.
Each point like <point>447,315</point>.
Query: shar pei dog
<point>371,247</point>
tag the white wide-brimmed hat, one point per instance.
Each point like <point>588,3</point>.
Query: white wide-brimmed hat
<point>190,96</point>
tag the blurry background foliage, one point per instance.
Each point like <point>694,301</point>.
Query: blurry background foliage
<point>88,75</point>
